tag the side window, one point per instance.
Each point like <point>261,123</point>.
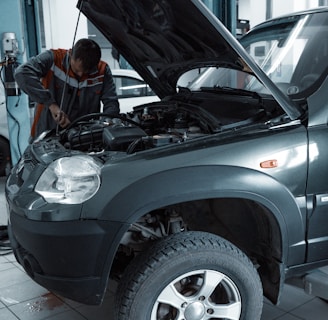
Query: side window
<point>129,88</point>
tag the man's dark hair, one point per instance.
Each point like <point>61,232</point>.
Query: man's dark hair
<point>88,51</point>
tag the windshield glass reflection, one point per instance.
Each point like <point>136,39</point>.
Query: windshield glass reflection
<point>293,52</point>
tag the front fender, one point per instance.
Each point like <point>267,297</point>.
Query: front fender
<point>204,182</point>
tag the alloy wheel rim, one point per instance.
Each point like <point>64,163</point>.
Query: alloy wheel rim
<point>198,295</point>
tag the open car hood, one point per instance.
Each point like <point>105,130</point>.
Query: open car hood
<point>162,39</point>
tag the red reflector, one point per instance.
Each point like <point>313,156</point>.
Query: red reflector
<point>269,164</point>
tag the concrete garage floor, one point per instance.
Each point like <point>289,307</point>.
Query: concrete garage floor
<point>21,298</point>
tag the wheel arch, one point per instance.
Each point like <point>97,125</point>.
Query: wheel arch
<point>198,183</point>
<point>203,182</point>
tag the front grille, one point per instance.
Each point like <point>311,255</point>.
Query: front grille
<point>30,164</point>
<point>22,170</point>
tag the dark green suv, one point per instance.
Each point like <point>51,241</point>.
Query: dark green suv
<point>200,202</point>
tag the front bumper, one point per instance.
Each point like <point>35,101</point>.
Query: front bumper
<point>70,258</point>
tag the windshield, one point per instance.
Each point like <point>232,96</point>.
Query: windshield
<point>218,77</point>
<point>292,51</point>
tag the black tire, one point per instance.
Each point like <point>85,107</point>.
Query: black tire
<point>5,161</point>
<point>190,275</point>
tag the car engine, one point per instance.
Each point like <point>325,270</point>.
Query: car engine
<point>143,129</point>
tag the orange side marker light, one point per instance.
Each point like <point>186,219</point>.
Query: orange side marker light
<point>268,164</point>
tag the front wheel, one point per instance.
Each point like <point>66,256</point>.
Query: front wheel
<point>190,276</point>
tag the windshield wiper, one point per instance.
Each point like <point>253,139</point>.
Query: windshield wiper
<point>246,122</point>
<point>229,90</point>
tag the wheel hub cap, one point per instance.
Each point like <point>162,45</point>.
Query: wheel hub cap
<point>195,311</point>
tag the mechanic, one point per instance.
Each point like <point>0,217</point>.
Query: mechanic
<point>67,84</point>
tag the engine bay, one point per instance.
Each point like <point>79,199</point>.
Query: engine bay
<point>158,124</point>
<point>151,126</point>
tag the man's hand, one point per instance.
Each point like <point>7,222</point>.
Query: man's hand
<point>59,116</point>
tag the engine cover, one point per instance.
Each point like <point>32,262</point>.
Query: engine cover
<point>118,137</point>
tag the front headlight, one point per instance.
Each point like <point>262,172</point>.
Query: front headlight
<point>70,180</point>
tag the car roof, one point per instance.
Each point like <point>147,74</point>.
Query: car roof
<point>126,73</point>
<point>291,15</point>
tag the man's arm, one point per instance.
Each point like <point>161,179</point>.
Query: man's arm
<point>109,96</point>
<point>28,77</point>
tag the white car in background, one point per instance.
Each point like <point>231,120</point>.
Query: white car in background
<point>131,89</point>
